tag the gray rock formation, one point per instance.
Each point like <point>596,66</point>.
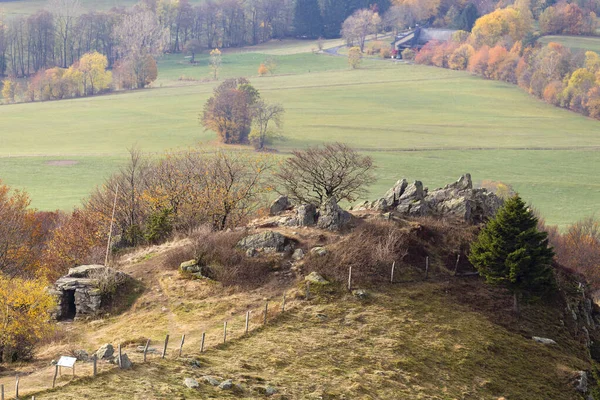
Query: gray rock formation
<point>543,340</point>
<point>316,279</point>
<point>319,251</point>
<point>226,385</point>
<point>191,383</point>
<point>332,217</point>
<point>280,205</point>
<point>78,293</point>
<point>211,380</point>
<point>306,215</point>
<point>105,352</point>
<point>125,362</point>
<point>194,268</point>
<point>267,241</point>
<point>298,254</point>
<point>457,199</point>
<point>581,382</point>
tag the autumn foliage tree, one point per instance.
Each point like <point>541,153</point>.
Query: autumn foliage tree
<point>25,307</point>
<point>94,76</point>
<point>229,111</point>
<point>318,173</point>
<point>355,57</point>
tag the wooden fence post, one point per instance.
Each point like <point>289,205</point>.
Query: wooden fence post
<point>1,392</point>
<point>247,321</point>
<point>181,345</point>
<point>164,353</point>
<point>426,267</point>
<point>17,388</point>
<point>202,343</point>
<point>266,310</point>
<point>55,375</point>
<point>283,304</point>
<point>146,349</point>
<point>95,366</point>
<point>224,331</point>
<point>120,357</point>
<point>392,277</point>
<point>350,279</point>
<point>456,266</point>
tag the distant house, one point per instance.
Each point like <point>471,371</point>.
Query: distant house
<point>417,38</point>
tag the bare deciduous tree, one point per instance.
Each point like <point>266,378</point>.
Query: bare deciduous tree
<point>318,173</point>
<point>268,120</point>
<point>357,26</point>
<point>65,13</point>
<point>140,35</point>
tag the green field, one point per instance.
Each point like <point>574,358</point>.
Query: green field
<point>417,122</point>
<point>583,43</point>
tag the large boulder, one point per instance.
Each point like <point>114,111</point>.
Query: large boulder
<point>306,215</point>
<point>332,217</point>
<point>267,241</point>
<point>280,205</point>
<point>105,352</point>
<point>392,196</point>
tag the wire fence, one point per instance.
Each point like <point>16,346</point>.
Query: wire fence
<point>234,328</point>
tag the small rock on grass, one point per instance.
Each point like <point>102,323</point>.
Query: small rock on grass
<point>211,380</point>
<point>191,383</point>
<point>226,385</point>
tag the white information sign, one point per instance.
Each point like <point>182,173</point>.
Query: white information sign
<point>68,362</point>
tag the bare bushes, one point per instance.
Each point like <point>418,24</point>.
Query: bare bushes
<point>369,249</point>
<point>578,249</point>
<point>226,263</point>
<point>372,247</point>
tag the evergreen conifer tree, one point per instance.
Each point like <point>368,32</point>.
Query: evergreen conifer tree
<point>308,21</point>
<point>334,15</point>
<point>466,19</point>
<point>512,252</point>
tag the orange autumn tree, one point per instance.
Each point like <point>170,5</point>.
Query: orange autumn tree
<point>79,238</point>
<point>20,234</point>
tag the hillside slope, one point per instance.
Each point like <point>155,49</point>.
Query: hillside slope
<point>431,340</point>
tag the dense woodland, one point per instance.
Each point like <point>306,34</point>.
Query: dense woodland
<point>60,34</point>
<point>551,72</point>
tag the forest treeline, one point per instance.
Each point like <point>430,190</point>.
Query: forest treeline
<point>552,72</point>
<point>61,33</point>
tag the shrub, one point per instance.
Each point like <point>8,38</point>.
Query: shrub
<point>159,226</point>
<point>372,247</point>
<point>408,54</point>
<point>229,265</point>
<point>263,70</point>
<point>385,52</point>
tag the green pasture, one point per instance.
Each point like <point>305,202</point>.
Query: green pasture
<point>417,122</point>
<point>583,43</point>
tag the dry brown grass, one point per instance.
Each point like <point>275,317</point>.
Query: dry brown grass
<point>372,247</point>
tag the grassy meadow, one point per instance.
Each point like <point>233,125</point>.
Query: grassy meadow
<point>583,43</point>
<point>417,122</point>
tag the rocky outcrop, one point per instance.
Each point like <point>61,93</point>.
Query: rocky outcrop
<point>458,199</point>
<point>78,293</point>
<point>332,217</point>
<point>196,270</point>
<point>267,241</point>
<point>280,205</point>
<point>306,215</point>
